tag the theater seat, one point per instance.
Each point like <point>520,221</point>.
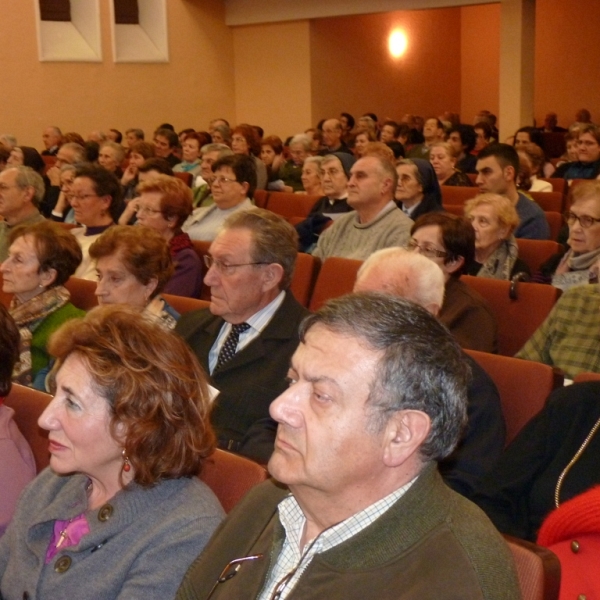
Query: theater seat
<point>538,569</point>
<point>187,178</point>
<point>231,476</point>
<point>336,278</point>
<point>523,386</point>
<point>555,222</point>
<point>260,198</point>
<point>536,252</point>
<point>549,201</point>
<point>558,184</point>
<point>290,205</point>
<point>305,274</point>
<point>83,294</point>
<point>457,195</point>
<point>28,405</point>
<point>519,316</point>
<point>182,304</point>
<point>581,377</point>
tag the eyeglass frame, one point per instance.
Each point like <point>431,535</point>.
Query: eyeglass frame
<point>572,217</point>
<point>224,268</point>
<point>412,245</point>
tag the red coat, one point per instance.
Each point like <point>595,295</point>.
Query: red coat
<point>572,532</point>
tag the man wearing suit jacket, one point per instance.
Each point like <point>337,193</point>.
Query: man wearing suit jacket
<point>245,339</point>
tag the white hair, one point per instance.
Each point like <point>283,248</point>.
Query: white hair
<point>407,275</point>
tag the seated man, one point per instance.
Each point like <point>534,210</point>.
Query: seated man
<point>247,336</point>
<point>52,138</point>
<point>377,396</point>
<point>449,241</point>
<point>433,131</point>
<point>166,144</point>
<point>463,139</point>
<point>587,165</point>
<point>497,170</point>
<point>376,221</point>
<point>332,138</point>
<point>232,187</point>
<point>406,275</point>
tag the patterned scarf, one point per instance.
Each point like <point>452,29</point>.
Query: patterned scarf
<point>28,316</point>
<point>578,272</point>
<point>500,264</point>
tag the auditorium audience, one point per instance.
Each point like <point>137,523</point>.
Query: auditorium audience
<point>463,139</point>
<point>201,189</point>
<point>41,257</point>
<point>62,212</point>
<point>17,467</point>
<point>291,171</point>
<point>271,153</point>
<point>433,131</point>
<point>418,191</point>
<point>139,152</point>
<point>332,138</point>
<point>232,187</point>
<point>530,135</point>
<point>52,138</point>
<point>449,241</point>
<point>120,513</point>
<point>361,139</point>
<point>483,136</point>
<point>494,220</point>
<point>133,265</point>
<point>587,165</point>
<point>166,145</point>
<point>555,457</point>
<point>531,158</point>
<point>311,176</point>
<point>96,201</point>
<point>190,152</point>
<point>111,157</point>
<point>164,204</point>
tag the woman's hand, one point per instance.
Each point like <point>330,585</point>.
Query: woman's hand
<point>62,203</point>
<point>129,212</point>
<point>129,174</point>
<point>53,174</point>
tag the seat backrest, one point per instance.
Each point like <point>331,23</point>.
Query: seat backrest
<point>290,205</point>
<point>549,201</point>
<point>187,178</point>
<point>538,569</point>
<point>555,222</point>
<point>182,304</point>
<point>28,405</point>
<point>457,195</point>
<point>82,293</point>
<point>581,377</point>
<point>558,184</point>
<point>523,386</point>
<point>517,319</point>
<point>261,198</point>
<point>336,278</point>
<point>305,274</point>
<point>536,252</point>
<point>231,476</point>
<point>555,144</point>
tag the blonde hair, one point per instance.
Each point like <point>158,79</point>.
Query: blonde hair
<point>503,208</point>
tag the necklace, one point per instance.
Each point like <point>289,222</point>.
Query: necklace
<point>579,452</point>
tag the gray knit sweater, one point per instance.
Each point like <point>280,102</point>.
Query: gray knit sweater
<point>139,546</point>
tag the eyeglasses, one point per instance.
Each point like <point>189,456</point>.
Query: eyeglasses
<point>82,197</point>
<point>150,211</point>
<point>231,569</point>
<point>428,251</point>
<point>220,180</point>
<point>224,268</point>
<point>584,220</point>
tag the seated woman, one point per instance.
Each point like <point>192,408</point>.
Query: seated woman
<point>190,153</point>
<point>555,457</point>
<point>244,141</point>
<point>568,338</point>
<point>494,220</point>
<point>232,189</point>
<point>62,211</point>
<point>163,205</point>
<point>531,158</point>
<point>17,467</point>
<point>133,265</point>
<point>311,176</point>
<point>418,191</point>
<point>120,513</point>
<point>291,171</point>
<point>571,154</point>
<point>363,137</point>
<point>530,135</point>
<point>111,157</point>
<point>449,241</point>
<point>271,153</point>
<point>138,154</point>
<point>576,266</point>
<point>40,259</point>
<point>96,199</point>
<point>443,157</point>
<point>587,165</point>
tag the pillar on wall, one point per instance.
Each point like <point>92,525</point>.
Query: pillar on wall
<point>517,44</point>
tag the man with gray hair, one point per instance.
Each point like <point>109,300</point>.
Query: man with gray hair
<point>332,137</point>
<point>377,396</point>
<point>376,221</point>
<point>52,138</point>
<point>408,275</point>
<point>21,192</point>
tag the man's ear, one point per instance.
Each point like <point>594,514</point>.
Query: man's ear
<point>272,275</point>
<point>405,433</point>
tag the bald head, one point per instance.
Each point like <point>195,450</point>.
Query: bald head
<point>404,274</point>
<point>332,134</point>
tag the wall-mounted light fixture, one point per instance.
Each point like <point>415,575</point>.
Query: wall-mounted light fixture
<point>397,43</point>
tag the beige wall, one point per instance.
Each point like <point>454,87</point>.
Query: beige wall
<point>272,76</point>
<point>480,60</point>
<point>196,85</point>
<point>353,71</point>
